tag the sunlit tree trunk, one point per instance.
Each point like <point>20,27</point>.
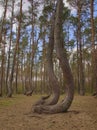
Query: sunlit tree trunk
<point>9,49</point>
<point>44,60</point>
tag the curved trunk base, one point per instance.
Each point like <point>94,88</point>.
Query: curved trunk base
<point>29,93</point>
<point>61,55</point>
<point>41,101</point>
<point>9,95</point>
<point>94,94</point>
<point>46,100</point>
<point>53,109</point>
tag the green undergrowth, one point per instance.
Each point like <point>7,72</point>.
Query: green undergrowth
<point>4,101</point>
<point>18,98</point>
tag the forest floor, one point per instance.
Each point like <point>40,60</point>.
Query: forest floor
<point>82,115</point>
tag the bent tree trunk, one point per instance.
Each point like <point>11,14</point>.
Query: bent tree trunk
<point>61,55</point>
<point>54,84</point>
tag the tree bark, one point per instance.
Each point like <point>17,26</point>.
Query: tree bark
<point>81,70</point>
<point>54,84</point>
<point>14,56</point>
<point>61,55</point>
<point>3,49</point>
<point>78,79</point>
<point>33,47</point>
<point>18,48</point>
<point>94,50</point>
<point>3,21</point>
<point>9,49</point>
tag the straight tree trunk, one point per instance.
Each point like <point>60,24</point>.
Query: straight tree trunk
<point>81,69</point>
<point>9,49</point>
<point>94,53</point>
<point>2,70</point>
<point>18,49</point>
<point>22,70</point>
<point>3,21</point>
<point>33,49</point>
<point>3,49</point>
<point>14,56</point>
<point>78,80</point>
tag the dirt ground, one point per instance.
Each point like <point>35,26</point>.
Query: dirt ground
<point>14,115</point>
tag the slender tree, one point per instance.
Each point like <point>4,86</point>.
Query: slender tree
<point>10,44</point>
<point>93,48</point>
<point>3,21</point>
<point>15,52</point>
<point>80,8</point>
<point>18,46</point>
<point>3,48</point>
<point>81,69</point>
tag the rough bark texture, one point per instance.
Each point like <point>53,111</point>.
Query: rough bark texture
<point>59,46</point>
<point>54,84</point>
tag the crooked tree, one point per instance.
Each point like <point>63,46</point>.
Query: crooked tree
<point>61,55</point>
<point>53,81</point>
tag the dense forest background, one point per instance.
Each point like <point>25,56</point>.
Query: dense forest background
<point>24,36</point>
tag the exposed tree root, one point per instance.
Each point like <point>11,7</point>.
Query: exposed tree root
<point>94,94</point>
<point>48,100</point>
<point>9,95</point>
<point>53,109</point>
<point>36,116</point>
<point>29,93</point>
<point>59,45</point>
<point>42,101</point>
<point>50,109</point>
